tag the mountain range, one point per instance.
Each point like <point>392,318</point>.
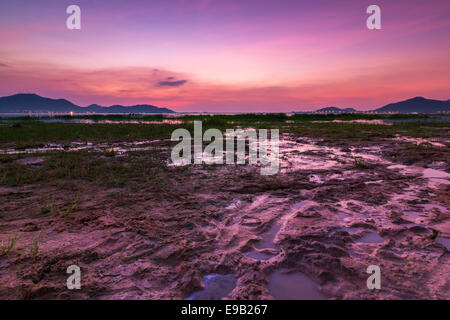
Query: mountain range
<point>417,104</point>
<point>25,102</point>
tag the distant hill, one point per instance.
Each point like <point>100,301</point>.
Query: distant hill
<point>417,104</point>
<point>336,110</point>
<point>35,103</point>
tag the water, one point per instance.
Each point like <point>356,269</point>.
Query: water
<point>217,286</point>
<point>418,141</point>
<point>444,241</point>
<point>120,147</point>
<point>258,255</point>
<point>371,237</point>
<point>267,239</point>
<point>378,122</point>
<point>293,286</point>
<point>433,173</point>
<point>233,205</point>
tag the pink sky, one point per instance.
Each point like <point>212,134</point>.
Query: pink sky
<point>227,55</point>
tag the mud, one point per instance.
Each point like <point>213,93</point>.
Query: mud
<point>226,232</point>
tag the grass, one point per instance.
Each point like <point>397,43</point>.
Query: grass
<point>36,134</point>
<point>32,134</point>
<point>63,211</point>
<point>34,249</point>
<point>410,153</point>
<point>361,164</point>
<point>45,210</point>
<point>5,249</point>
<point>148,167</point>
<point>138,167</point>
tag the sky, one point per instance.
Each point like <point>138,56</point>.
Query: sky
<point>227,55</point>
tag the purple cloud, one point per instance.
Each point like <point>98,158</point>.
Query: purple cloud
<point>171,83</point>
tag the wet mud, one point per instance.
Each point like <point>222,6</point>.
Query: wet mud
<point>226,232</point>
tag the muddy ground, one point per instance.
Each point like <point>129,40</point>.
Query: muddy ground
<point>226,232</point>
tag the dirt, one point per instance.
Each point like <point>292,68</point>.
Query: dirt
<point>312,229</point>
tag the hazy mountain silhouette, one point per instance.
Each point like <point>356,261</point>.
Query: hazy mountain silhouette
<point>417,104</point>
<point>35,103</point>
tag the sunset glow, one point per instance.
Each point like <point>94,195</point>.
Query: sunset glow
<point>246,56</point>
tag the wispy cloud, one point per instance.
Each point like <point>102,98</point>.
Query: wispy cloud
<point>171,83</point>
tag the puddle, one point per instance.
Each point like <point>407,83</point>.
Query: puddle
<point>434,176</point>
<point>233,205</point>
<point>433,173</point>
<point>307,154</point>
<point>430,206</point>
<point>293,286</point>
<point>404,169</point>
<point>268,237</point>
<point>352,230</point>
<point>418,141</point>
<point>378,122</point>
<point>316,179</point>
<point>414,216</point>
<point>371,237</point>
<point>374,182</point>
<point>302,204</point>
<point>266,242</point>
<point>35,161</point>
<point>167,121</point>
<point>120,148</point>
<point>258,255</point>
<point>444,241</point>
<point>217,286</point>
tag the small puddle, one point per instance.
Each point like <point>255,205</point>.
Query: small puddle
<point>418,141</point>
<point>233,205</point>
<point>165,121</point>
<point>268,237</point>
<point>433,173</point>
<point>414,216</point>
<point>371,237</point>
<point>266,242</point>
<point>430,206</point>
<point>258,255</point>
<point>444,241</point>
<point>35,161</point>
<point>293,286</point>
<point>374,121</point>
<point>300,205</point>
<point>217,286</point>
<point>315,179</point>
<point>352,230</point>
